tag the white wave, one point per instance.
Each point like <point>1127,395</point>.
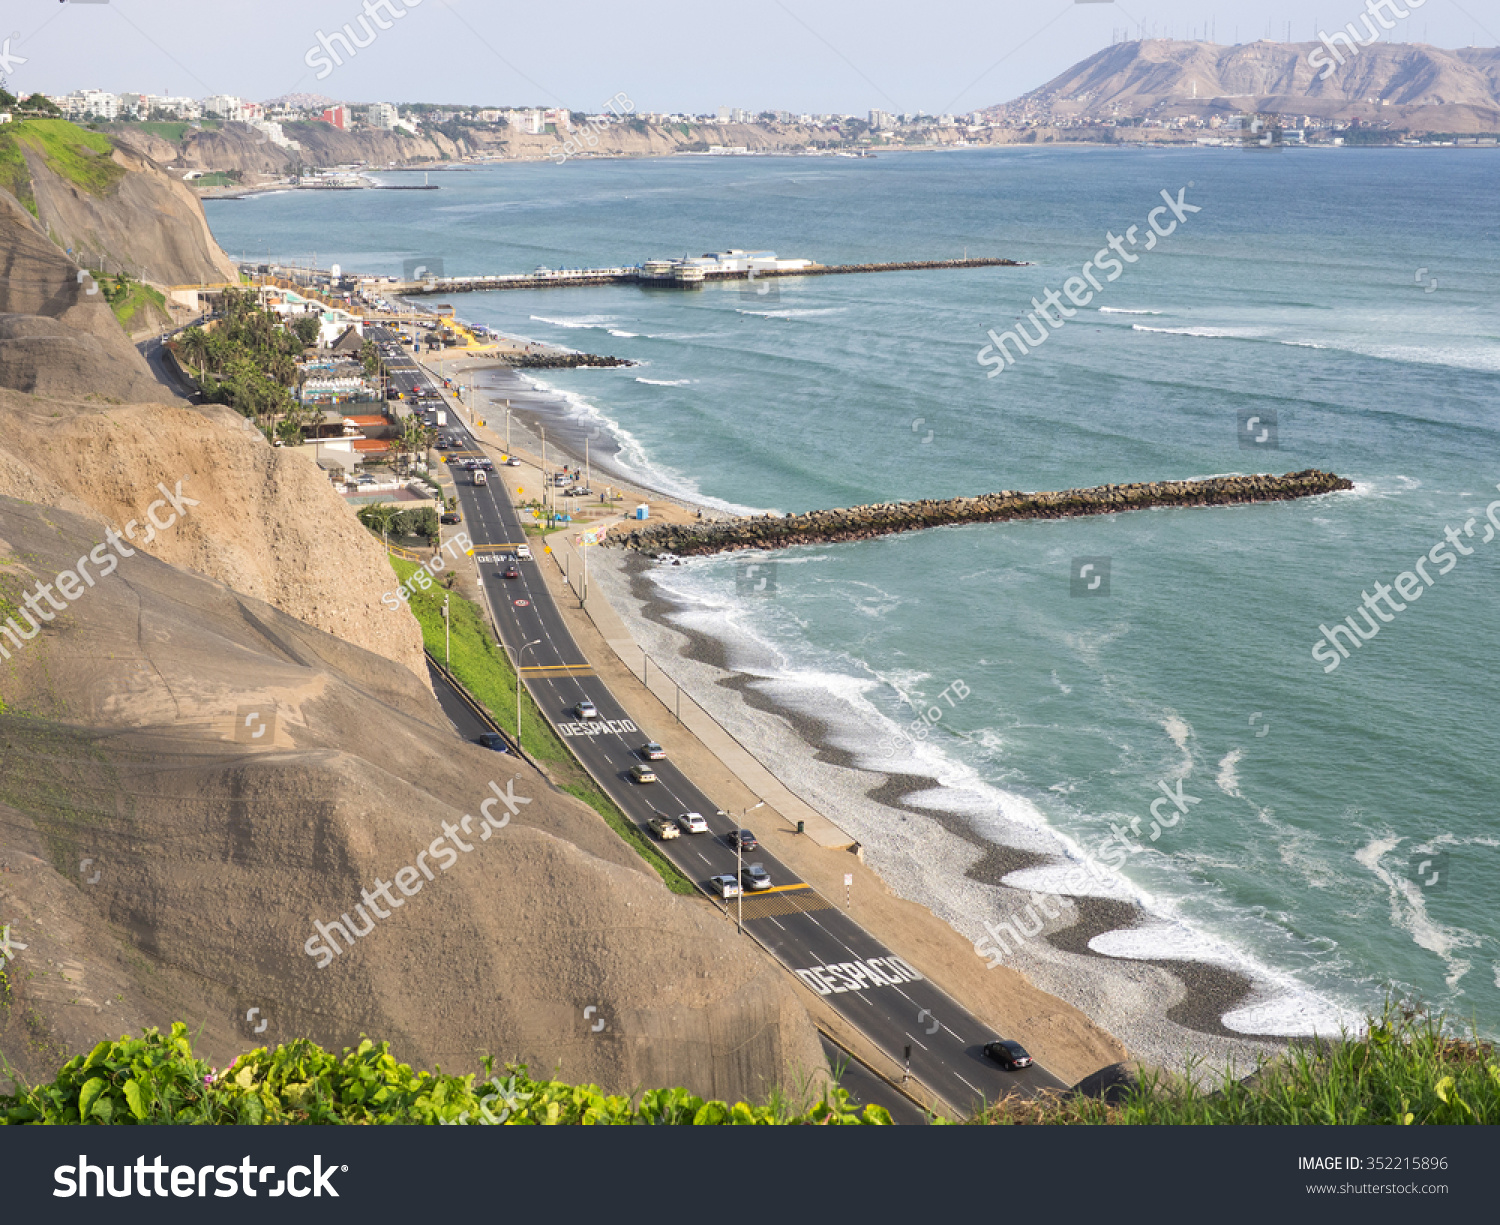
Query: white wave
<point>633,457</point>
<point>1205,333</point>
<point>665,382</point>
<point>1408,903</point>
<point>1179,729</point>
<point>1228,778</point>
<point>1121,310</point>
<point>583,321</point>
<point>623,335</point>
<point>790,313</point>
<point>1305,344</point>
<point>1281,1006</point>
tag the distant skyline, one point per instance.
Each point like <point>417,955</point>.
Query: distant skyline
<point>842,56</point>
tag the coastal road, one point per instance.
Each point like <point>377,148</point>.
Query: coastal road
<point>886,998</point>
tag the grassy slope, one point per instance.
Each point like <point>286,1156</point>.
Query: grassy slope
<point>82,158</point>
<point>486,671</point>
<point>140,297</point>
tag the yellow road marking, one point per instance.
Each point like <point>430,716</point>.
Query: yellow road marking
<point>777,889</point>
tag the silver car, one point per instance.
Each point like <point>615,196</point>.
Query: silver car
<point>692,823</point>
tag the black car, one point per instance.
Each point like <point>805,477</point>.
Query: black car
<point>743,839</point>
<point>1009,1055</point>
<point>511,571</point>
<point>494,740</point>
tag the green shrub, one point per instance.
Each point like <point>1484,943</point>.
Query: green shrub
<point>157,1079</point>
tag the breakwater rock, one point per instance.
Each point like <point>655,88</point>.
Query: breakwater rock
<point>558,361</point>
<point>864,522</point>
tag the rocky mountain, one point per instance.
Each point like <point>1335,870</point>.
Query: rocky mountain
<point>1407,86</point>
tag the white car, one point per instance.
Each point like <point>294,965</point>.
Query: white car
<point>692,823</point>
<point>523,551</point>
<point>725,886</point>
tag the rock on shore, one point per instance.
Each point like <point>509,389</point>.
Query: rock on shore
<point>864,522</point>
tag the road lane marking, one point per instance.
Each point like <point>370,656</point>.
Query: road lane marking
<point>923,1045</point>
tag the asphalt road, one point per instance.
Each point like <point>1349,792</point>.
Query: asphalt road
<point>888,1000</point>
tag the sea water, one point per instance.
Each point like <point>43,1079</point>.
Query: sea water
<point>1342,840</point>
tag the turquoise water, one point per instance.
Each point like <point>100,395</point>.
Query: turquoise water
<point>1346,294</point>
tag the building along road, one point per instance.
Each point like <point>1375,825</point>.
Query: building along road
<point>887,999</point>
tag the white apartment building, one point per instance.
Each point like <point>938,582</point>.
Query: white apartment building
<point>382,115</point>
<point>232,109</point>
<point>183,108</point>
<point>86,103</point>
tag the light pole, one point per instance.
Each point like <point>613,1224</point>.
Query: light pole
<point>448,644</point>
<point>739,861</point>
<point>519,653</point>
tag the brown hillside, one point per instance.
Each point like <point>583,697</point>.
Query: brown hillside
<point>1425,88</point>
<point>156,869</point>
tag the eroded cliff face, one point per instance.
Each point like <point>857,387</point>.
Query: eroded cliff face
<point>210,858</point>
<point>57,338</point>
<point>149,224</point>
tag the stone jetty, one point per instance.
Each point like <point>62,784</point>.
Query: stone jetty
<point>865,522</point>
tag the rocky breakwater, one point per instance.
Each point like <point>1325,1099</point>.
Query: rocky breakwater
<point>864,522</point>
<point>564,361</point>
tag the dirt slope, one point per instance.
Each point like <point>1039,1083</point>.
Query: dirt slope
<point>157,869</point>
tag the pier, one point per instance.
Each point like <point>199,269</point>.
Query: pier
<point>671,274</point>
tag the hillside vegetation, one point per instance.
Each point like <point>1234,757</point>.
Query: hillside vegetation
<point>158,1079</point>
<point>82,158</point>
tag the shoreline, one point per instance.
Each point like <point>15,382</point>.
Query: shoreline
<point>1157,1009</point>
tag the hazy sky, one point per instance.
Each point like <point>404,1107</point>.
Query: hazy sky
<point>665,55</point>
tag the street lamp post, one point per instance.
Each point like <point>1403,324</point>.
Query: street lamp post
<point>739,862</point>
<point>519,653</point>
<point>448,643</point>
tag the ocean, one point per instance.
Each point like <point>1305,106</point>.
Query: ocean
<point>1334,835</point>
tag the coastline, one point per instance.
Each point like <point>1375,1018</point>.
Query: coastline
<point>1161,1011</point>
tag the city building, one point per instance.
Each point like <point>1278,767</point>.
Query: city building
<point>384,116</point>
<point>340,116</point>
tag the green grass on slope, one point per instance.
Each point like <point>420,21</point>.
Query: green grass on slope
<point>156,1079</point>
<point>1406,1069</point>
<point>486,671</point>
<point>82,158</point>
<point>137,298</point>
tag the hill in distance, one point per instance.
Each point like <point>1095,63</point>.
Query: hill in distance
<point>1402,85</point>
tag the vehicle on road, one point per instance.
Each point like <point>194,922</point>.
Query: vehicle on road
<point>692,823</point>
<point>754,876</point>
<point>493,740</point>
<point>487,464</point>
<point>642,774</point>
<point>442,417</point>
<point>470,465</point>
<point>743,839</point>
<point>1009,1055</point>
<point>523,551</point>
<point>651,751</point>
<point>664,828</point>
<point>512,462</point>
<point>725,886</point>
<point>586,710</point>
<point>479,477</point>
<point>451,516</point>
<point>511,570</point>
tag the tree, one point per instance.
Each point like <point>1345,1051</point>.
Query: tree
<point>306,328</point>
<point>379,517</point>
